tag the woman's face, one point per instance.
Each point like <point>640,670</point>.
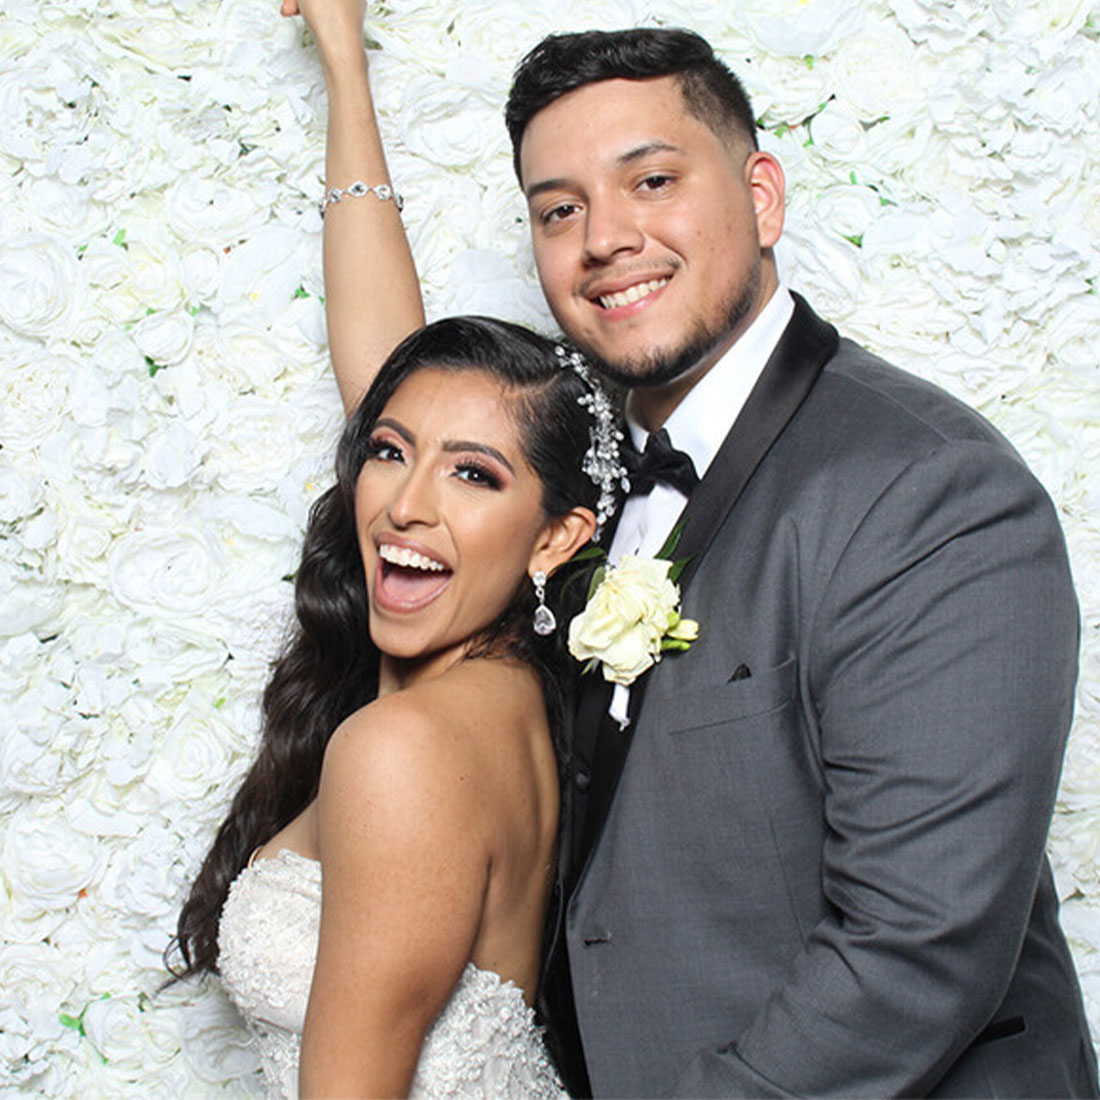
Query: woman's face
<point>448,513</point>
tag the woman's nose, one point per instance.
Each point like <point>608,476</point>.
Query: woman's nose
<point>414,498</point>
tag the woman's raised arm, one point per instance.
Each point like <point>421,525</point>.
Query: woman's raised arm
<point>372,294</point>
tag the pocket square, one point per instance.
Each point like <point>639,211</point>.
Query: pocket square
<point>741,672</point>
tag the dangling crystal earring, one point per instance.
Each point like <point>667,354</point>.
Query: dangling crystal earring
<point>544,622</point>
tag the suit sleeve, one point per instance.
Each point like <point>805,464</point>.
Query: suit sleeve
<point>941,672</point>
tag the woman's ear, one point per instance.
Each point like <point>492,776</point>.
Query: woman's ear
<point>560,539</point>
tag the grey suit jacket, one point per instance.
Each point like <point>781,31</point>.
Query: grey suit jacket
<point>821,870</point>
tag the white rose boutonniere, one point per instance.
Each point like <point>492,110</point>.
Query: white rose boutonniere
<point>631,618</point>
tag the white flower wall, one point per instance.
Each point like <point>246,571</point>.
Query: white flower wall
<point>167,414</point>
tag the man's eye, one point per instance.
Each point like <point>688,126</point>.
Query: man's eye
<point>559,213</point>
<point>655,182</point>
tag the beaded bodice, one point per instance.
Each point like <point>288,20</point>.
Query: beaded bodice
<point>484,1042</point>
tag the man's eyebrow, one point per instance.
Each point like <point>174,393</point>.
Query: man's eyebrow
<point>636,152</point>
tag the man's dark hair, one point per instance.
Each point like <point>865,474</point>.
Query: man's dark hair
<point>561,63</point>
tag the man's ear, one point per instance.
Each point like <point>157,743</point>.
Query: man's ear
<point>560,539</point>
<point>764,175</point>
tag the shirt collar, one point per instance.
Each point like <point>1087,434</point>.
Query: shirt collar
<point>702,420</point>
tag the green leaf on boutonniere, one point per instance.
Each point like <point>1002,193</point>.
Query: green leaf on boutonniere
<point>597,579</point>
<point>670,544</point>
<point>669,548</point>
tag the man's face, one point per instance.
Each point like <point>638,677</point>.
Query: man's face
<point>645,227</point>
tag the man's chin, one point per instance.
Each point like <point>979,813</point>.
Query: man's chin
<point>654,367</point>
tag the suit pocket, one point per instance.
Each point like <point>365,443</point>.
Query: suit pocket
<point>763,691</point>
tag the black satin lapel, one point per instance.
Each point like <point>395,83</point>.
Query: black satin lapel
<point>806,345</point>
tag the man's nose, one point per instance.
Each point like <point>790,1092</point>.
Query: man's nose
<point>611,229</point>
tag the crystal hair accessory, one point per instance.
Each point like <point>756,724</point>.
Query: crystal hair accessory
<point>381,191</point>
<point>603,461</point>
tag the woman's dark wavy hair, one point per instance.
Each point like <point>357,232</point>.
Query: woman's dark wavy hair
<point>329,666</point>
<point>562,63</point>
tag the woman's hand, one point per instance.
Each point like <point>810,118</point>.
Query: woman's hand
<point>336,25</point>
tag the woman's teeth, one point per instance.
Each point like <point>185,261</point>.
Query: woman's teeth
<point>409,559</point>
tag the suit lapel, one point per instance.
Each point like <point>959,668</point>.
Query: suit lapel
<point>806,345</point>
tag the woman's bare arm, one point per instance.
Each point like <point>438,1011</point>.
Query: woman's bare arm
<point>401,834</point>
<point>372,294</point>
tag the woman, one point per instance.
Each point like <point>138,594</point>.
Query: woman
<point>375,898</point>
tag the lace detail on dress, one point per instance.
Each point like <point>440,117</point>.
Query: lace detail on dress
<point>484,1044</point>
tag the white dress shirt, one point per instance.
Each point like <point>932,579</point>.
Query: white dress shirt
<point>697,426</point>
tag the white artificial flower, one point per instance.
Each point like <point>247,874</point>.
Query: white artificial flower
<point>164,338</point>
<point>20,494</point>
<point>167,571</point>
<point>173,455</point>
<point>43,286</point>
<point>46,862</point>
<point>254,443</point>
<point>29,600</point>
<point>214,1039</point>
<point>198,755</point>
<point>208,213</point>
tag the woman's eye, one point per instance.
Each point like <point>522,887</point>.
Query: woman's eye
<point>384,451</point>
<point>476,474</point>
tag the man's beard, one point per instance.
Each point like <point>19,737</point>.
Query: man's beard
<point>654,368</point>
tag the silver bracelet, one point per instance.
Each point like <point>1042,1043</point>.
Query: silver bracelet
<point>382,191</point>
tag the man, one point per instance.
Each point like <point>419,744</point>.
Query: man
<point>813,861</point>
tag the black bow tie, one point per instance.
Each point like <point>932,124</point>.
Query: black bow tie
<point>659,462</point>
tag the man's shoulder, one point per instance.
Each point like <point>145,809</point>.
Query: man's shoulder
<point>859,388</point>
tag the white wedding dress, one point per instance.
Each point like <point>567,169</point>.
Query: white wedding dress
<point>484,1043</point>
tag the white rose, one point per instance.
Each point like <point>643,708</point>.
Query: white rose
<point>881,74</point>
<point>36,979</point>
<point>158,40</point>
<point>799,28</point>
<point>215,1041</point>
<point>146,877</point>
<point>173,654</point>
<point>165,338</point>
<point>28,601</point>
<point>622,626</point>
<point>20,495</point>
<point>194,760</point>
<point>83,539</point>
<point>46,862</point>
<point>113,1025</point>
<point>36,754</point>
<point>448,129</point>
<point>65,208</point>
<point>201,269</point>
<point>43,286</point>
<point>254,443</point>
<point>247,357</point>
<point>162,570</point>
<point>208,212</point>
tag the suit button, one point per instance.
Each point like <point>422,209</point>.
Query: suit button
<point>581,781</point>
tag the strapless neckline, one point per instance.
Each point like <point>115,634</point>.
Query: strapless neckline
<point>484,1043</point>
